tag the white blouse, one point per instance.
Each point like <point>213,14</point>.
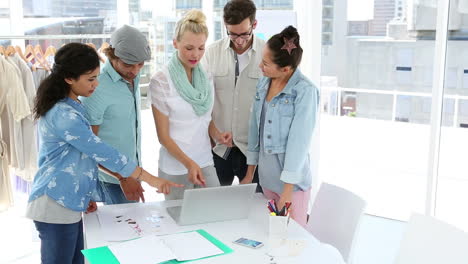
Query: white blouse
<point>26,151</point>
<point>14,107</point>
<point>188,130</point>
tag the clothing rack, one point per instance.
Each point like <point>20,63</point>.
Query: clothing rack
<point>36,52</point>
<point>41,37</point>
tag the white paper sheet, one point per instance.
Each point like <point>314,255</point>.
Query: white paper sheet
<point>191,245</point>
<point>133,222</point>
<point>145,250</point>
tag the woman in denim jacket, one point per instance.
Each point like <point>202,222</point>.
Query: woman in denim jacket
<point>281,125</point>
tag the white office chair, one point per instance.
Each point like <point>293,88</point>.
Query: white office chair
<point>430,241</point>
<point>335,217</point>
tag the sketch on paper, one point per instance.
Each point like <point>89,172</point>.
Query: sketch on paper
<point>133,222</point>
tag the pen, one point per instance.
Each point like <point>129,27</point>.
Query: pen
<point>269,208</point>
<point>270,203</point>
<point>285,209</point>
<point>273,208</point>
<point>282,212</point>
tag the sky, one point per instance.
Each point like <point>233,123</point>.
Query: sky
<point>360,9</point>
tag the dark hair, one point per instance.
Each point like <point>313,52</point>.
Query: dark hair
<point>280,56</point>
<point>71,61</point>
<point>236,11</point>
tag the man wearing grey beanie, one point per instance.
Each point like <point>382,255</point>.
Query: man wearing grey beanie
<point>114,109</point>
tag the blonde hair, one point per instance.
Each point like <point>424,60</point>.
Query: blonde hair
<point>193,21</point>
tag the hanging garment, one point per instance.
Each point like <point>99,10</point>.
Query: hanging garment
<point>6,195</point>
<point>16,129</point>
<point>14,106</point>
<point>29,152</point>
<point>16,100</point>
<point>38,75</point>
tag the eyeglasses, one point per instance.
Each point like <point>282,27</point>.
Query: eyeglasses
<point>244,36</point>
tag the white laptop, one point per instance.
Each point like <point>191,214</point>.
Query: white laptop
<point>214,204</point>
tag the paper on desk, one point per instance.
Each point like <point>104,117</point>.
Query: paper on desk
<point>145,250</point>
<point>120,224</point>
<point>191,245</point>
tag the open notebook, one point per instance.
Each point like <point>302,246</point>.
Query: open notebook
<point>159,249</point>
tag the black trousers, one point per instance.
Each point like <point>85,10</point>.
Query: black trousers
<point>234,165</point>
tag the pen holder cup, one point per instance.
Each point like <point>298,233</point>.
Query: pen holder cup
<point>278,226</point>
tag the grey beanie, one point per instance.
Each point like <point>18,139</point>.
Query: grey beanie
<point>130,45</point>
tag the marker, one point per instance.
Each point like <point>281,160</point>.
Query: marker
<point>272,214</point>
<point>269,208</point>
<point>272,206</point>
<point>275,206</point>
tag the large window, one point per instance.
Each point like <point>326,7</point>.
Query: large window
<point>451,195</point>
<point>376,104</point>
<point>377,124</point>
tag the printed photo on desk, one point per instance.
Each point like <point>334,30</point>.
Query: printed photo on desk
<point>134,222</point>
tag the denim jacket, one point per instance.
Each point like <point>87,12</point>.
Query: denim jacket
<point>289,124</point>
<point>69,155</point>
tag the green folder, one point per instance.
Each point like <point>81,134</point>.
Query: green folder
<point>103,255</point>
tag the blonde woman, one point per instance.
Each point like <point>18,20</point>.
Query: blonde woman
<point>182,101</point>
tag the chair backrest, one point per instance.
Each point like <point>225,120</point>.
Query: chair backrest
<point>430,241</point>
<point>335,217</point>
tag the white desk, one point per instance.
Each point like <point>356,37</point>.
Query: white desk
<point>255,227</point>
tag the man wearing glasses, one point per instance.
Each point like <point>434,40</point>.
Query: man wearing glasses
<point>233,62</point>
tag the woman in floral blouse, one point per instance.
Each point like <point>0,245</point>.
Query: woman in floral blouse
<point>65,184</point>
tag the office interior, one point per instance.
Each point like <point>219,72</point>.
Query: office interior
<point>393,112</point>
